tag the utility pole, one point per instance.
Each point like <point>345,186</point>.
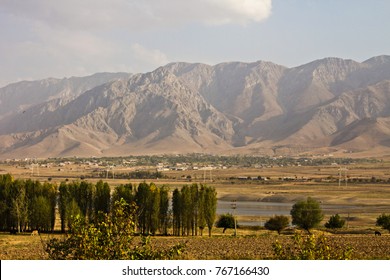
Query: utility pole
<point>234,206</point>
<point>339,176</point>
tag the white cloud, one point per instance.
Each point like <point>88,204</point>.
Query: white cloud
<point>136,14</point>
<point>73,37</point>
<point>147,58</point>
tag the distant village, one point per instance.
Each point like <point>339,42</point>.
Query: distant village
<point>157,167</point>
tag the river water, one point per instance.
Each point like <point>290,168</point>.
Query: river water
<point>254,208</point>
<point>257,212</point>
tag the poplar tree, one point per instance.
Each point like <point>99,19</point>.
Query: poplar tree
<point>64,199</point>
<point>164,210</point>
<point>125,191</point>
<point>102,198</point>
<point>210,207</point>
<point>194,208</point>
<point>142,199</point>
<point>201,213</point>
<point>19,208</point>
<point>154,211</point>
<point>176,211</point>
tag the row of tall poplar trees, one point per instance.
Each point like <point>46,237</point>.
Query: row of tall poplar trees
<point>28,205</point>
<point>193,208</point>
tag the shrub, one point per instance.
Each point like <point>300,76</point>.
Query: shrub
<point>311,247</point>
<point>383,221</point>
<point>334,222</point>
<point>226,221</point>
<point>277,223</point>
<point>111,237</point>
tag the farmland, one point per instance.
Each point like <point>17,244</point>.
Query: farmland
<point>250,246</point>
<point>358,190</point>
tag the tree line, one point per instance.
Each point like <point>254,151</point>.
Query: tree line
<point>29,205</point>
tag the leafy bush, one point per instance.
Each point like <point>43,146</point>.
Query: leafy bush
<point>226,221</point>
<point>277,223</point>
<point>334,222</point>
<point>383,221</point>
<point>111,237</point>
<point>311,247</point>
<point>306,214</point>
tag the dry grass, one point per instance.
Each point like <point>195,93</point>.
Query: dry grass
<point>22,247</point>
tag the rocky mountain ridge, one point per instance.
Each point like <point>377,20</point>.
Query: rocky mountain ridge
<point>326,106</point>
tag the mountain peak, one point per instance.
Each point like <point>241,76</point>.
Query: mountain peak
<point>232,107</point>
<point>378,60</point>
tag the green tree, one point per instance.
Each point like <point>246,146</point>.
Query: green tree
<point>383,221</point>
<point>83,194</point>
<point>111,238</point>
<point>164,210</point>
<point>201,213</point>
<point>154,211</point>
<point>306,214</point>
<point>125,191</point>
<point>143,200</point>
<point>64,198</point>
<point>40,216</point>
<point>102,198</point>
<point>277,223</point>
<point>19,208</point>
<point>72,211</point>
<point>194,208</point>
<point>210,207</point>
<point>50,191</point>
<point>176,212</point>
<point>6,194</point>
<point>186,209</point>
<point>335,221</point>
<point>225,221</point>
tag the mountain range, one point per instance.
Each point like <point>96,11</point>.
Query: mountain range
<point>330,105</point>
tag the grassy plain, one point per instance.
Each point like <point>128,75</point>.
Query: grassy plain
<point>359,194</point>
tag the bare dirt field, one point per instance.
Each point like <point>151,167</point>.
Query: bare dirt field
<point>253,245</point>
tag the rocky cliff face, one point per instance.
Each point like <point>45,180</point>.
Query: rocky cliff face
<point>326,105</point>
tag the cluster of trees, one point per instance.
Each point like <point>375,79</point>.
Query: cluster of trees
<point>141,174</point>
<point>26,205</point>
<point>83,199</point>
<point>88,201</point>
<point>193,208</point>
<point>306,214</point>
<point>29,205</point>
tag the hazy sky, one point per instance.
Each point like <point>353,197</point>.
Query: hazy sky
<point>50,38</point>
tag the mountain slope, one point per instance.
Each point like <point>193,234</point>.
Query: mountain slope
<point>18,97</point>
<point>260,107</point>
